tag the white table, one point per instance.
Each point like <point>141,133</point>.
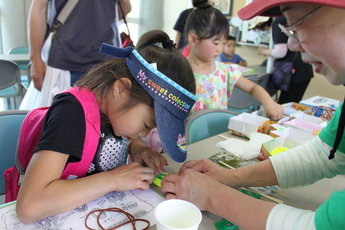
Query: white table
<point>308,197</point>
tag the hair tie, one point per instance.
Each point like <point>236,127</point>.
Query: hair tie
<point>158,44</point>
<point>168,43</point>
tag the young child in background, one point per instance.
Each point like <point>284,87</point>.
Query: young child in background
<point>207,30</point>
<point>316,29</point>
<point>129,109</point>
<point>228,54</point>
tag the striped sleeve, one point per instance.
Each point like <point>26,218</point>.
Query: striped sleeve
<point>284,217</point>
<point>306,164</point>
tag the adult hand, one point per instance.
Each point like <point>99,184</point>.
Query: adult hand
<point>210,169</point>
<point>148,156</point>
<point>38,71</point>
<point>191,186</point>
<point>264,51</point>
<point>132,176</point>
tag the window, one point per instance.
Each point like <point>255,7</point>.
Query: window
<point>133,20</point>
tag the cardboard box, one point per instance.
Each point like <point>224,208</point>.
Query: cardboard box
<point>310,118</point>
<point>298,107</point>
<point>306,126</point>
<point>285,117</point>
<point>322,106</point>
<point>246,123</point>
<point>269,146</point>
<point>290,132</point>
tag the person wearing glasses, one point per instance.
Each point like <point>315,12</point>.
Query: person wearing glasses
<point>316,29</point>
<point>301,73</point>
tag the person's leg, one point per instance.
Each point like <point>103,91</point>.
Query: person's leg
<point>75,76</point>
<point>295,94</point>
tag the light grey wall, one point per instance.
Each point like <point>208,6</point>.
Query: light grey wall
<point>172,10</point>
<point>13,23</point>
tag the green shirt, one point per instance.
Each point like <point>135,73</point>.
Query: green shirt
<point>331,214</point>
<point>306,164</point>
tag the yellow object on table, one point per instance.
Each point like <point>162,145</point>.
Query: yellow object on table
<point>278,150</point>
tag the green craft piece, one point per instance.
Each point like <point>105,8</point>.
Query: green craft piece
<point>158,179</point>
<point>224,224</point>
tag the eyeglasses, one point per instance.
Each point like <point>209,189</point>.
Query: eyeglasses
<point>289,30</point>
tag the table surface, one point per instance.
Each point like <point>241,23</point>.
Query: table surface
<point>308,197</point>
<point>256,70</point>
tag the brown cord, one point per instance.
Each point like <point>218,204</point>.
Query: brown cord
<point>129,216</point>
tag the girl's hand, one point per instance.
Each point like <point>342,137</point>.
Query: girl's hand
<point>132,176</point>
<point>148,156</point>
<point>274,111</point>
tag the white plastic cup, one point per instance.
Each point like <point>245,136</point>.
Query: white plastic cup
<point>177,214</point>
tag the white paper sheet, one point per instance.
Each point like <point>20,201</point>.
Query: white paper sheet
<point>140,204</point>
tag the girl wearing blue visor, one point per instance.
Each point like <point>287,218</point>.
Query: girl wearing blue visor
<point>142,88</point>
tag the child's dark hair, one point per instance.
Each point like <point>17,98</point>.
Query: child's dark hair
<point>156,47</point>
<point>206,21</point>
<point>231,38</point>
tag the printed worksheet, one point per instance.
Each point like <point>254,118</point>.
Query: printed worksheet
<point>140,204</point>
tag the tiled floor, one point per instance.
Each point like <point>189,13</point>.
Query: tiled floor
<point>2,199</point>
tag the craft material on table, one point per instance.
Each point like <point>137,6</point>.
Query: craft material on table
<point>231,161</point>
<point>140,204</point>
<point>158,179</point>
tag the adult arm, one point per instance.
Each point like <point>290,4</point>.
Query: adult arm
<point>210,195</point>
<point>178,38</point>
<point>272,109</point>
<point>302,165</point>
<point>278,51</point>
<point>126,7</point>
<point>37,31</point>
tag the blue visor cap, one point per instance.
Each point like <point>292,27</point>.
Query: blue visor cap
<point>172,102</point>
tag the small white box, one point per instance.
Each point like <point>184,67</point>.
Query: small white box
<point>306,126</point>
<point>295,134</point>
<point>246,123</point>
<point>310,118</point>
<point>269,146</point>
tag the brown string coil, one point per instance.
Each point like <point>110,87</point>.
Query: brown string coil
<point>130,217</point>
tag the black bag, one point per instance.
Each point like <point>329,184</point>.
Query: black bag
<point>281,76</point>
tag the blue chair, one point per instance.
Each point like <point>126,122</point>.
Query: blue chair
<point>10,83</point>
<point>241,101</point>
<point>10,123</point>
<point>265,83</point>
<point>23,65</point>
<point>206,123</point>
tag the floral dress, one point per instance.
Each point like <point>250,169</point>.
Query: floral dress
<point>213,90</point>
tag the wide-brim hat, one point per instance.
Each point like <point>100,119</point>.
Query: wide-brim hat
<point>172,103</point>
<point>271,8</point>
<point>252,23</point>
